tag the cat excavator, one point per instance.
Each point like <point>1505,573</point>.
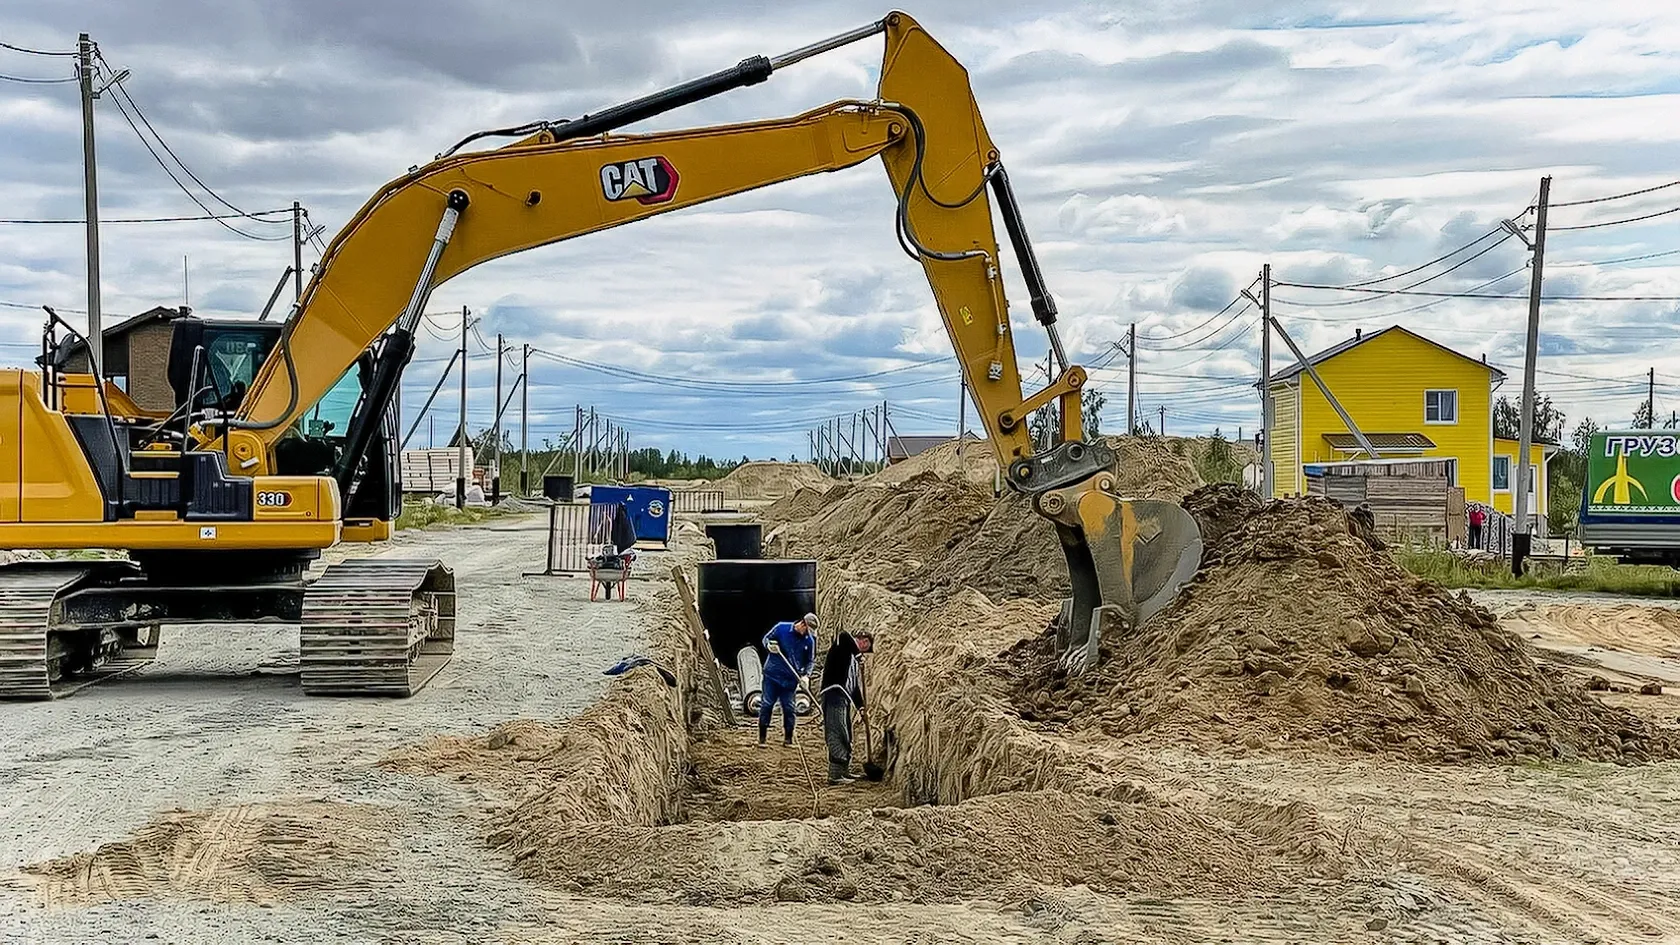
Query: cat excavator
<point>283,440</point>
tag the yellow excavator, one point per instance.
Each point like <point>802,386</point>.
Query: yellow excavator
<point>283,441</point>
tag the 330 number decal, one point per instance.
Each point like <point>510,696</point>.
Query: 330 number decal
<point>274,500</point>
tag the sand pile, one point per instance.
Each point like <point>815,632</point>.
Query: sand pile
<point>800,504</point>
<point>886,533</point>
<point>976,465</point>
<point>1153,467</point>
<point>771,480</point>
<point>1298,632</point>
<point>620,761</point>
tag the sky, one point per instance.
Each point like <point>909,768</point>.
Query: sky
<point>1162,153</point>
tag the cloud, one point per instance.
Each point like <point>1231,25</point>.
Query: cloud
<point>1162,152</point>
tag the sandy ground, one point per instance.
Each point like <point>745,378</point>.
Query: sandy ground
<point>206,800</point>
<point>218,724</point>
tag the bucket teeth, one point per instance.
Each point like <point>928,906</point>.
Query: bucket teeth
<point>377,627</point>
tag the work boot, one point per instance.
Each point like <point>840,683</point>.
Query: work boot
<point>787,742</point>
<point>762,743</point>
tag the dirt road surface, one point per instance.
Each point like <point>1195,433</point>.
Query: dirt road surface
<point>219,724</point>
<point>206,800</point>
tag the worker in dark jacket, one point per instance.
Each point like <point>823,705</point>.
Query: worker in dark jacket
<point>791,648</point>
<point>842,688</point>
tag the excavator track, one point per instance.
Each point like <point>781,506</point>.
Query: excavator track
<point>377,627</point>
<point>39,661</point>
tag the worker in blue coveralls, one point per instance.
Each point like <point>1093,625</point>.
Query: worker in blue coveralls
<point>792,648</point>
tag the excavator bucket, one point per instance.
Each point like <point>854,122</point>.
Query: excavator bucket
<point>1127,559</point>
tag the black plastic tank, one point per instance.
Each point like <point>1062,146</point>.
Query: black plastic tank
<point>558,488</point>
<point>741,600</point>
<point>736,541</point>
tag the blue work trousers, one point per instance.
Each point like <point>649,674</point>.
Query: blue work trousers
<point>776,691</point>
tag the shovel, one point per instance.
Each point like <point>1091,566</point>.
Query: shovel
<point>871,769</point>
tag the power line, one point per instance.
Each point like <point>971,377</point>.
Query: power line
<point>1439,259</point>
<point>1631,193</point>
<point>184,189</point>
<point>122,93</point>
<point>1468,295</point>
<point>743,386</point>
<point>1360,287</point>
<point>1187,331</point>
<point>1594,226</point>
<point>37,52</point>
<point>27,80</point>
<point>180,219</point>
<point>1191,344</point>
<point>1384,316</point>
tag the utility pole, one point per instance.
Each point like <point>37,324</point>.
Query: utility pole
<point>463,452</point>
<point>1131,378</point>
<point>525,424</point>
<point>297,251</point>
<point>962,418</point>
<point>1651,400</point>
<point>1267,481</point>
<point>1163,420</point>
<point>496,430</point>
<point>90,195</point>
<point>1521,539</point>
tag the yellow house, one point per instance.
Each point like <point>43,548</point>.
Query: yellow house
<point>1413,399</point>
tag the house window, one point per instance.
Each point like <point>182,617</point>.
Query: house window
<point>1440,406</point>
<point>1502,474</point>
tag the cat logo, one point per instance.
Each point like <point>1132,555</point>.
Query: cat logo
<point>649,180</point>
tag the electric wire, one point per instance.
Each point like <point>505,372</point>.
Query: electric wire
<point>38,52</point>
<point>122,93</point>
<point>183,187</point>
<point>1422,266</point>
<point>1621,196</point>
<point>1188,331</point>
<point>1404,290</point>
<point>30,80</point>
<point>1621,222</point>
<point>178,219</point>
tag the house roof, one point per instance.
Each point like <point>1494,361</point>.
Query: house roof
<point>1295,369</point>
<point>904,447</point>
<point>158,313</point>
<point>1347,442</point>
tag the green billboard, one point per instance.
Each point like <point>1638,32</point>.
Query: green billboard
<point>1633,472</point>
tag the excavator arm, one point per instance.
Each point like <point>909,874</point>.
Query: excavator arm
<point>564,179</point>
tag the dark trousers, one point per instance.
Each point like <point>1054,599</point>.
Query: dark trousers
<point>1475,535</point>
<point>837,731</point>
<point>776,692</point>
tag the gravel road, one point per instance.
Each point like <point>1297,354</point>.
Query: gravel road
<point>219,723</point>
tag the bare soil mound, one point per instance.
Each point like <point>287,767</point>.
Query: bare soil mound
<point>888,533</point>
<point>798,505</point>
<point>771,480</point>
<point>976,465</point>
<point>1297,631</point>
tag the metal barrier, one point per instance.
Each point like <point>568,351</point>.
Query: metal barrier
<point>576,532</point>
<point>697,500</point>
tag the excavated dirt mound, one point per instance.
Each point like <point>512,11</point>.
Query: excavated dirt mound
<point>770,480</point>
<point>1298,632</point>
<point>886,533</point>
<point>976,465</point>
<point>935,535</point>
<point>636,799</point>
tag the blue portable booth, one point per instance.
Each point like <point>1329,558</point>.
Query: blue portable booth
<point>649,507</point>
